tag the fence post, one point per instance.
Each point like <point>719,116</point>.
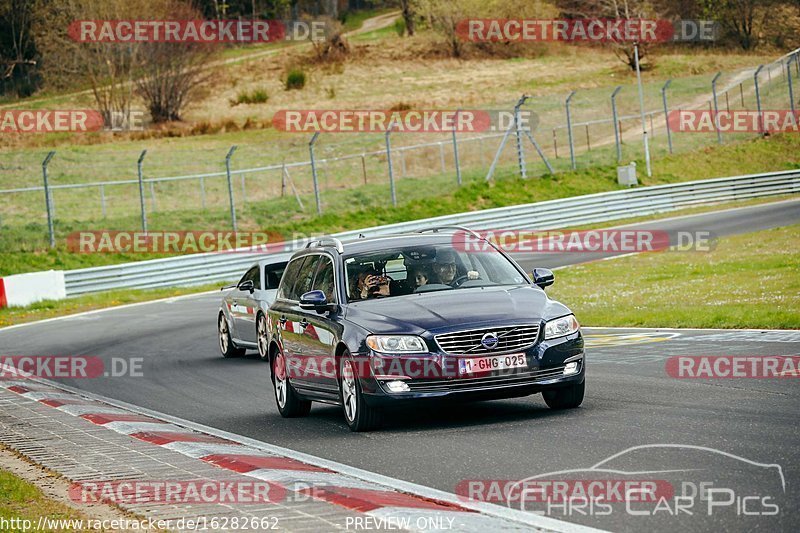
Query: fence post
<point>666,112</point>
<point>314,171</point>
<point>141,191</point>
<point>759,118</point>
<point>569,131</point>
<point>230,185</point>
<point>716,105</point>
<point>455,151</point>
<point>518,130</point>
<point>389,161</point>
<point>364,167</point>
<point>616,124</point>
<point>789,81</point>
<point>48,199</point>
<point>641,109</point>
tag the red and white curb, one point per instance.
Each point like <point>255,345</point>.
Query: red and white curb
<point>376,496</point>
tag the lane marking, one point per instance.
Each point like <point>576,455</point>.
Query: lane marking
<point>626,339</point>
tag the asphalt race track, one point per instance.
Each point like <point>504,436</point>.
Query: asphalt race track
<point>631,401</point>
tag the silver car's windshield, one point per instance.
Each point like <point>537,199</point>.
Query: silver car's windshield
<point>418,269</point>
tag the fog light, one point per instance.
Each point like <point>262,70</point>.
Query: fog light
<point>397,386</point>
<point>571,368</point>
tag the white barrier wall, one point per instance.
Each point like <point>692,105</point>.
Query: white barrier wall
<point>24,289</point>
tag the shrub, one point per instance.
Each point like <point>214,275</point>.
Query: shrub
<point>295,79</point>
<point>256,96</point>
<point>400,26</point>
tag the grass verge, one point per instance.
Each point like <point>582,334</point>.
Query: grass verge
<point>51,308</point>
<point>747,281</point>
<point>24,502</point>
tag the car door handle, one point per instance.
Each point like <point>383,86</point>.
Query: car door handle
<point>282,320</point>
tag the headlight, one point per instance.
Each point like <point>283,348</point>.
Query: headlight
<point>560,327</point>
<point>396,344</point>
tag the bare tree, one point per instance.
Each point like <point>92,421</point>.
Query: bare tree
<point>408,16</point>
<point>615,9</point>
<point>107,68</point>
<point>17,49</point>
<point>170,75</point>
<point>740,18</point>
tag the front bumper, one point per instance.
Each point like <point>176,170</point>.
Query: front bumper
<point>545,361</point>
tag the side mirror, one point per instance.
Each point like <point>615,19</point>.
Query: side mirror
<point>247,286</point>
<point>543,277</point>
<point>314,300</point>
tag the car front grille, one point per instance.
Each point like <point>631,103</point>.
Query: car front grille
<point>487,383</point>
<point>509,338</point>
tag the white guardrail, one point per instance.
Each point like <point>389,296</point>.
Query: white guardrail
<point>196,269</point>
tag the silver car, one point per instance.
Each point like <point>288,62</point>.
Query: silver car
<point>241,321</point>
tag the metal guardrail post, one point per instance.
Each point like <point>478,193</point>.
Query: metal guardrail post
<point>48,199</point>
<point>389,162</point>
<point>666,112</point>
<point>141,191</point>
<point>789,82</point>
<point>314,171</point>
<point>716,106</point>
<point>455,151</point>
<point>569,131</point>
<point>230,185</point>
<point>759,118</point>
<point>616,122</point>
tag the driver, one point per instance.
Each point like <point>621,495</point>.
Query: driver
<point>444,268</point>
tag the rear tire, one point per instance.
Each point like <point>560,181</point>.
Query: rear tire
<point>226,345</point>
<point>358,415</point>
<point>566,397</point>
<point>262,337</point>
<point>289,404</point>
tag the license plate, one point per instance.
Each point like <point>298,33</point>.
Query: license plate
<point>488,364</point>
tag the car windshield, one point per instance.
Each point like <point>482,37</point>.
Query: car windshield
<point>418,269</point>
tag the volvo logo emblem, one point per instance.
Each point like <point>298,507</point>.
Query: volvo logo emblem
<point>489,341</point>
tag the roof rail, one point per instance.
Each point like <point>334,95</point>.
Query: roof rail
<point>436,229</point>
<point>330,241</point>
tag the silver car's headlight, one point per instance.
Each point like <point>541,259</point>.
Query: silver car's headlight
<point>396,344</point>
<point>560,327</point>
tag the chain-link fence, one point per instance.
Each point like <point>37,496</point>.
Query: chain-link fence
<point>172,187</point>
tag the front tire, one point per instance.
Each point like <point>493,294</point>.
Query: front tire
<point>226,345</point>
<point>566,397</point>
<point>289,404</point>
<point>358,415</point>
